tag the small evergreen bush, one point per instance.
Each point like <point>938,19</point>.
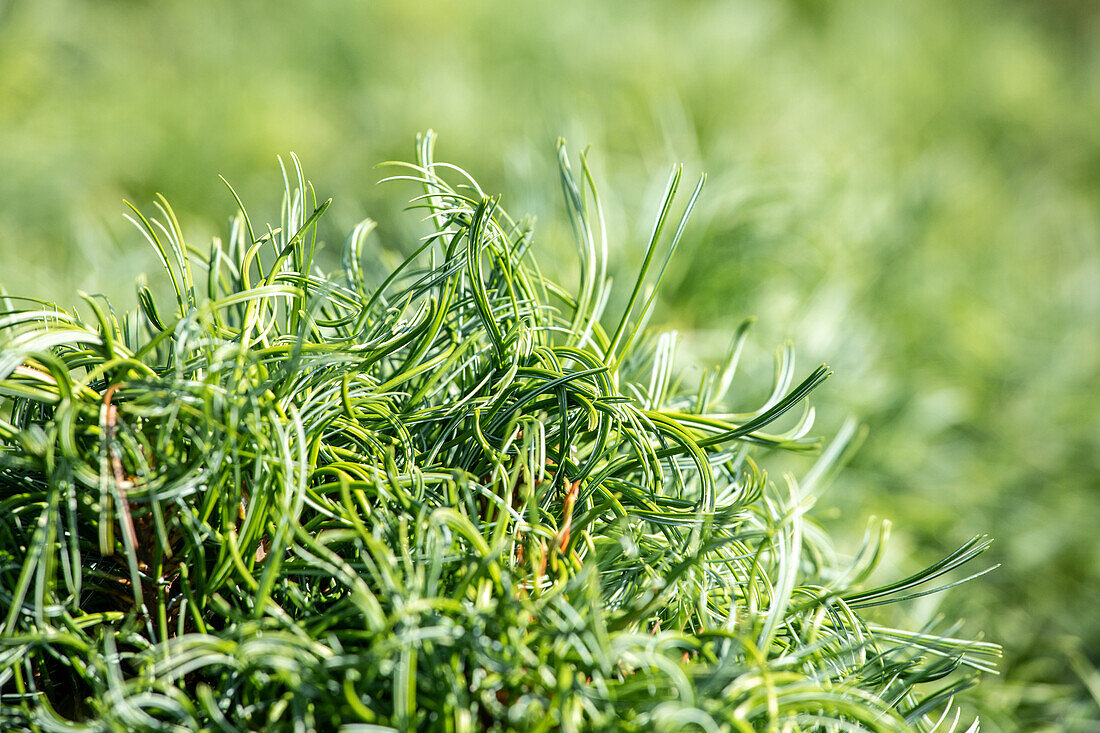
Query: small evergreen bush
<point>466,498</point>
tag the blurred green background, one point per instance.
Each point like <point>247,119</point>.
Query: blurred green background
<point>909,190</point>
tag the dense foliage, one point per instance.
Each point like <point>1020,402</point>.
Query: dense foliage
<point>465,498</point>
<point>906,188</point>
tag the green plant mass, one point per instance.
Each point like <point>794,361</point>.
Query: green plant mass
<point>461,497</point>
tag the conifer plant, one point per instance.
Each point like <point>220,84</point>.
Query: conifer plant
<point>462,497</point>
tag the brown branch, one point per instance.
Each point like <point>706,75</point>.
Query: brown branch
<point>126,519</point>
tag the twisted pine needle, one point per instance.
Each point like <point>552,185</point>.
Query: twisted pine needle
<point>449,501</point>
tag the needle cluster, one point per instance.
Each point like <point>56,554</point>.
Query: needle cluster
<point>463,498</point>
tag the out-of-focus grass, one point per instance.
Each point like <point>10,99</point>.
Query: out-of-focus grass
<point>910,190</point>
